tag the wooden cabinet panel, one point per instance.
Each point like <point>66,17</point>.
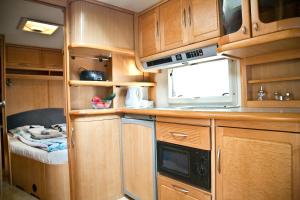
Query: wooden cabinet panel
<point>256,164</point>
<point>234,12</point>
<point>268,17</point>
<point>149,40</point>
<point>169,189</point>
<point>95,158</point>
<point>203,19</point>
<point>102,27</point>
<point>138,160</point>
<point>52,59</point>
<point>186,135</point>
<point>19,56</point>
<point>173,24</point>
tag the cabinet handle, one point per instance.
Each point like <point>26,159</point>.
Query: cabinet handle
<point>179,189</point>
<point>72,137</point>
<point>190,15</point>
<point>218,160</point>
<point>255,26</point>
<point>176,134</point>
<point>157,29</point>
<point>184,18</point>
<point>244,30</point>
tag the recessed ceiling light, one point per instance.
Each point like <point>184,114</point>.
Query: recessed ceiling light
<point>36,26</point>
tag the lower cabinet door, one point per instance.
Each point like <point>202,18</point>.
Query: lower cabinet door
<point>169,189</point>
<point>139,174</point>
<point>256,164</point>
<point>95,158</point>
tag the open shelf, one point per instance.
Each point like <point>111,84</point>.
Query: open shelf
<point>34,77</point>
<point>295,78</point>
<point>35,69</point>
<point>109,83</point>
<point>273,103</point>
<point>93,111</point>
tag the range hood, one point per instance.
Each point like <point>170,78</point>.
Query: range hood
<point>184,58</point>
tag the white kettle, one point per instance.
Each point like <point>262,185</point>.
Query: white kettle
<point>134,96</point>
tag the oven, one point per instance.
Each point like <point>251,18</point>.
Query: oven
<point>183,163</point>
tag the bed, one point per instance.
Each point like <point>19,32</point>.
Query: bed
<point>42,174</point>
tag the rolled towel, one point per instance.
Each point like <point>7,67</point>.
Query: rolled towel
<point>46,134</point>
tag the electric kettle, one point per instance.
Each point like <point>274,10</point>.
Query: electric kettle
<point>134,96</point>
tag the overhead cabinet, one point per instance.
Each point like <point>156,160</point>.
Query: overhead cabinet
<point>239,22</point>
<point>92,25</point>
<point>277,15</point>
<point>177,23</point>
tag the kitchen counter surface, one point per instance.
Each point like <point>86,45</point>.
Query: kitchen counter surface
<point>240,113</point>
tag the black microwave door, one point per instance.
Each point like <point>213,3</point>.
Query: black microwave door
<point>201,170</point>
<point>173,161</point>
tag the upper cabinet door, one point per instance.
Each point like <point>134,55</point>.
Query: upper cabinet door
<point>276,15</point>
<point>203,18</point>
<point>173,24</point>
<point>149,33</point>
<point>235,20</point>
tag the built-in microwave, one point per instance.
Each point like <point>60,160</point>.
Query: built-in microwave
<point>187,164</point>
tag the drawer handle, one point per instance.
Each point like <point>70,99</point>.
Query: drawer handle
<point>176,134</point>
<point>179,189</point>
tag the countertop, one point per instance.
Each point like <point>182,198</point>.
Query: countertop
<point>240,113</point>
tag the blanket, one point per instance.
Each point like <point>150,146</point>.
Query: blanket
<point>39,137</point>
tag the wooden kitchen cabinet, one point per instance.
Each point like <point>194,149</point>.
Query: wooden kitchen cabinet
<point>149,40</point>
<point>95,158</point>
<point>170,189</point>
<point>257,164</point>
<point>20,56</point>
<point>173,24</point>
<point>102,27</point>
<point>272,16</point>
<point>52,59</point>
<point>235,20</point>
<point>139,168</point>
<point>203,18</point>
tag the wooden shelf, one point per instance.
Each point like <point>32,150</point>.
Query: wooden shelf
<point>94,50</point>
<point>35,69</point>
<point>273,42</point>
<point>109,83</point>
<point>273,103</point>
<point>93,111</point>
<point>274,80</point>
<point>35,77</point>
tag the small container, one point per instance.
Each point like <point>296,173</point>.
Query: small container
<point>101,105</point>
<point>277,96</point>
<point>261,94</point>
<point>287,96</point>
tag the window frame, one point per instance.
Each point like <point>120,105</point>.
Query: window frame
<point>234,87</point>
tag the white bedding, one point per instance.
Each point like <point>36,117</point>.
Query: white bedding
<point>55,157</point>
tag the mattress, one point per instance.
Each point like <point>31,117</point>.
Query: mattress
<point>55,157</point>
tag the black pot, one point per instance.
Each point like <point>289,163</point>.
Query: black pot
<point>90,75</point>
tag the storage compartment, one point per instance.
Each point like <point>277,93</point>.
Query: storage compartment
<point>186,135</point>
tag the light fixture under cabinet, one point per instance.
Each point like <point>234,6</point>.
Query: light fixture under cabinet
<point>36,26</point>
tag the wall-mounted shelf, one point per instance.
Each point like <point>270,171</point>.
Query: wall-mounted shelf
<point>34,77</point>
<point>274,103</point>
<point>109,83</point>
<point>93,111</point>
<point>295,78</point>
<point>35,69</point>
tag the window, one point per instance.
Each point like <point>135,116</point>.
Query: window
<point>213,82</point>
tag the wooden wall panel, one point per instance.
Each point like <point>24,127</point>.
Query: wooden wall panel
<point>25,95</point>
<point>56,98</point>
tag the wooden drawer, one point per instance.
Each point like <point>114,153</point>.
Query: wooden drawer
<point>186,135</point>
<point>169,189</point>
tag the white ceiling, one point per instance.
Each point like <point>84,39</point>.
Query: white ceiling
<point>133,5</point>
<point>11,12</point>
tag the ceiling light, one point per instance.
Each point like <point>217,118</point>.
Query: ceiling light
<point>36,26</point>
